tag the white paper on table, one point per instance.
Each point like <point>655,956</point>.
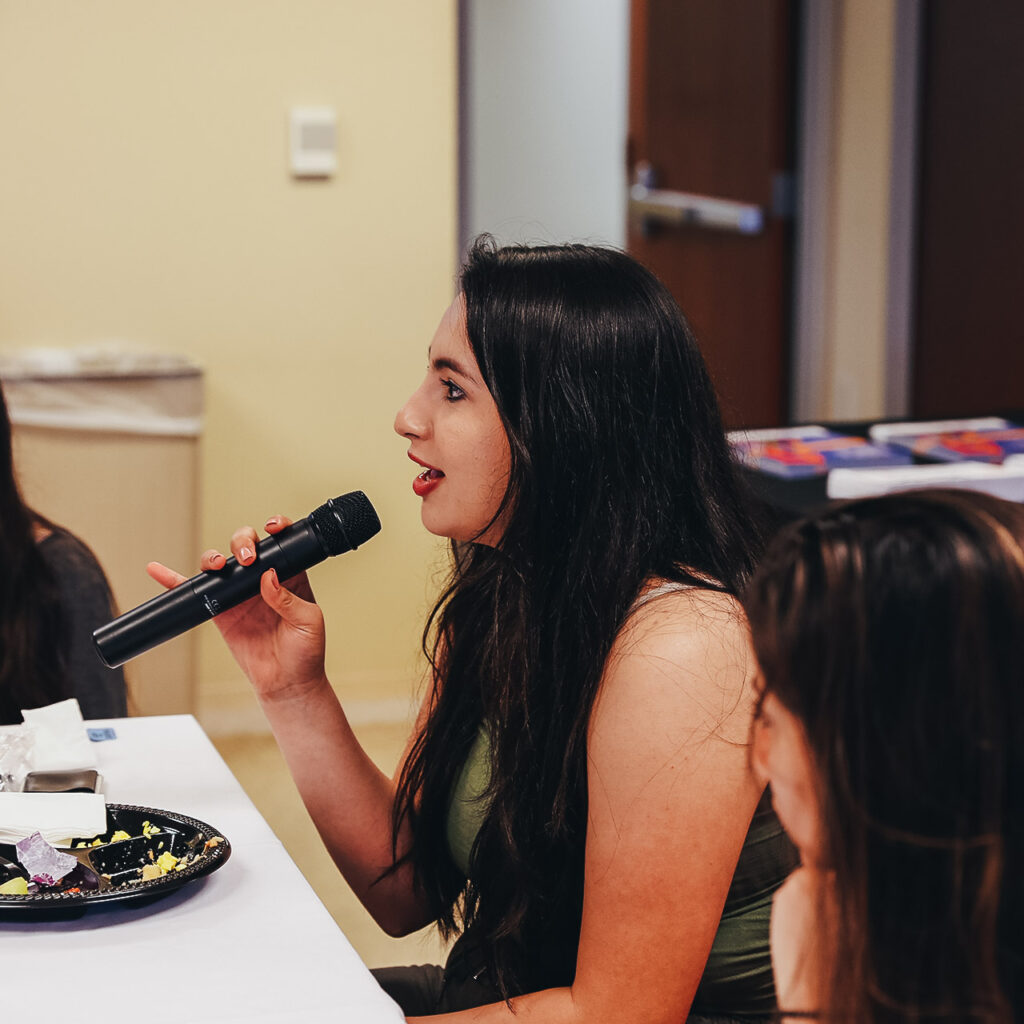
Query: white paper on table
<point>1004,481</point>
<point>58,737</point>
<point>886,431</point>
<point>55,816</point>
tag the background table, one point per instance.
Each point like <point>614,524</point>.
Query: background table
<point>250,942</point>
<point>786,499</point>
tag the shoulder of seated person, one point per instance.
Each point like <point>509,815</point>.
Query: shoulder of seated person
<point>688,651</point>
<point>58,535</point>
<point>798,936</point>
<point>68,549</point>
<point>797,891</point>
<point>683,617</point>
<point>800,900</point>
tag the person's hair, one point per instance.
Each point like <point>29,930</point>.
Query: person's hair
<point>893,629</point>
<point>31,618</point>
<point>620,473</point>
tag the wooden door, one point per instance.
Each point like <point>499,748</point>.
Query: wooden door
<point>711,113</point>
<point>968,353</point>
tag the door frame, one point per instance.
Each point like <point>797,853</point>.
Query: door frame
<point>814,391</point>
<point>812,387</point>
<point>903,204</point>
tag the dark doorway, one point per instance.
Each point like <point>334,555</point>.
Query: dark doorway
<point>711,118</point>
<point>968,354</point>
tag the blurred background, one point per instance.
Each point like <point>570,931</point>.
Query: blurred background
<point>228,229</point>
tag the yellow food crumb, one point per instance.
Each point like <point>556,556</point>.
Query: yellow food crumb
<point>15,887</point>
<point>151,871</point>
<point>166,862</point>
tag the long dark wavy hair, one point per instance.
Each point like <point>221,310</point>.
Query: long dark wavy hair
<point>620,473</point>
<point>31,620</point>
<point>893,628</point>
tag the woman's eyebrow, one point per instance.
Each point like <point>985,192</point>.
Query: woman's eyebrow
<point>444,363</point>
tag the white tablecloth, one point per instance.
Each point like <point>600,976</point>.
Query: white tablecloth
<point>250,942</point>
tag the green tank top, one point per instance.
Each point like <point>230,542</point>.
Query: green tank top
<point>737,979</point>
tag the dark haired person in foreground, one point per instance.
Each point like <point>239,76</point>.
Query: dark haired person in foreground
<point>576,802</point>
<point>890,636</point>
<point>53,594</point>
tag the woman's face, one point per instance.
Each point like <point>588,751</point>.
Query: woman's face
<point>457,439</point>
<point>783,759</point>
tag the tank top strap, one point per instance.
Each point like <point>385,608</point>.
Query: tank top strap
<point>669,587</point>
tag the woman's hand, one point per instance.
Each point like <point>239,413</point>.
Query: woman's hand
<point>278,637</point>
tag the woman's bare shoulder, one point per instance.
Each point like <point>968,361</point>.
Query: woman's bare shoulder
<point>692,628</point>
<point>684,609</point>
<point>686,651</point>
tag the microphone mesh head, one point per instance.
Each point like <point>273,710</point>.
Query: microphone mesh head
<point>346,522</point>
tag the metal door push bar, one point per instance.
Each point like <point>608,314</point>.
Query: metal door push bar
<point>662,206</point>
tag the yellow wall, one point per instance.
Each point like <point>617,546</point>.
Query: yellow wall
<point>145,197</point>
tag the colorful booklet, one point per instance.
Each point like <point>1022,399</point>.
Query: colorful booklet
<point>986,439</point>
<point>795,452</point>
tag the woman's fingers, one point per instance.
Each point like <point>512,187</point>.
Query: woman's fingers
<point>245,539</point>
<point>164,576</point>
<point>290,606</point>
<point>243,545</point>
<point>212,559</point>
<point>275,524</point>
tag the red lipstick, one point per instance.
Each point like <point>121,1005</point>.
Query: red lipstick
<point>427,480</point>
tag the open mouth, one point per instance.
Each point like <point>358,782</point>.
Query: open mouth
<point>426,481</point>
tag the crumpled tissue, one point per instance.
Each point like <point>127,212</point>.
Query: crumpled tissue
<point>58,737</point>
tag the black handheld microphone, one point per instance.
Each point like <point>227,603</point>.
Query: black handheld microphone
<point>339,525</point>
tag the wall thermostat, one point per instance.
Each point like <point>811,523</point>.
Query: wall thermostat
<point>313,134</point>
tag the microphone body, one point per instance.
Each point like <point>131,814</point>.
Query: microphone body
<point>339,525</point>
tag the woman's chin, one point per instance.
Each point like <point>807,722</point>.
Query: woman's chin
<point>440,527</point>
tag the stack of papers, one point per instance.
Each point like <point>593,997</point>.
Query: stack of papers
<point>984,439</point>
<point>797,452</point>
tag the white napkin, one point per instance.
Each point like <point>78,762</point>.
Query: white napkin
<point>57,816</point>
<point>58,737</point>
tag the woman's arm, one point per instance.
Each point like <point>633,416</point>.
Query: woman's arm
<point>350,801</point>
<point>278,639</point>
<point>671,797</point>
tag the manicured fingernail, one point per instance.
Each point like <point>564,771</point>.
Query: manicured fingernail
<point>245,555</point>
<point>272,521</point>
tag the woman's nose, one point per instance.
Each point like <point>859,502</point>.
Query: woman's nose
<point>410,421</point>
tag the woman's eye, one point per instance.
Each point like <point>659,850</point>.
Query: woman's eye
<point>452,391</point>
